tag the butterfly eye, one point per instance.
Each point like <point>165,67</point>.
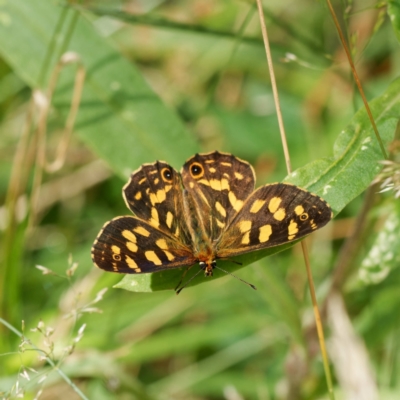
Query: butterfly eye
<point>166,174</point>
<point>196,170</point>
<point>304,217</point>
<point>213,264</point>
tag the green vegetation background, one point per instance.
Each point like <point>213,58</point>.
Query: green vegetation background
<point>166,79</point>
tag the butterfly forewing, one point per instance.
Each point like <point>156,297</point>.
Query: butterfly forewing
<point>154,194</point>
<point>217,185</point>
<point>273,215</point>
<point>131,245</point>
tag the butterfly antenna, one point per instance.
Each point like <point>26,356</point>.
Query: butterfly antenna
<point>241,280</point>
<point>186,283</point>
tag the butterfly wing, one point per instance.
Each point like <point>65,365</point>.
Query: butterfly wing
<point>154,194</point>
<point>273,215</point>
<point>216,184</point>
<point>132,246</point>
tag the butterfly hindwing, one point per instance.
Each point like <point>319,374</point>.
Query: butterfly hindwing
<point>217,184</point>
<point>273,215</point>
<point>131,245</point>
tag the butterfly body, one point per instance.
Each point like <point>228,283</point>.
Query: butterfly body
<point>208,211</point>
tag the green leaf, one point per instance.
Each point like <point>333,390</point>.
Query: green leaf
<point>349,172</point>
<point>168,280</point>
<point>120,117</point>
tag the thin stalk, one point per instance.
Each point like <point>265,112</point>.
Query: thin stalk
<point>61,152</point>
<point>274,87</point>
<point>44,107</point>
<point>357,79</point>
<point>289,170</point>
<point>318,322</point>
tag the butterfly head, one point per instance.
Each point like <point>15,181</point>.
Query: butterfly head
<point>208,267</point>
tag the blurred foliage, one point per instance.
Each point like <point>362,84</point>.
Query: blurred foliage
<point>166,79</point>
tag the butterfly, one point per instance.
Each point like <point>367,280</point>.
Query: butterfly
<point>208,211</point>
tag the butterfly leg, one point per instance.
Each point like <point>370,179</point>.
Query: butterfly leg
<point>181,280</point>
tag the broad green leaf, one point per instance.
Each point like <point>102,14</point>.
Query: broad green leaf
<point>169,279</point>
<point>338,180</point>
<point>349,172</point>
<point>120,117</point>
